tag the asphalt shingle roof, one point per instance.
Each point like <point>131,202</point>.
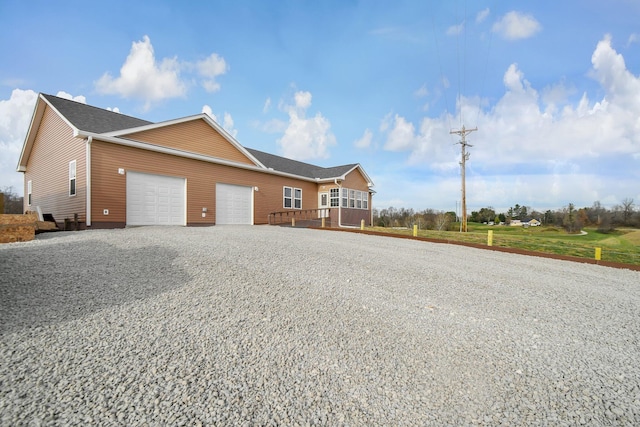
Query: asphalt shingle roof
<point>97,120</point>
<point>295,167</point>
<point>93,119</point>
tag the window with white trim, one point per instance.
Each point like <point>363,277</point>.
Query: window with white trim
<point>287,193</point>
<point>292,197</point>
<point>29,189</point>
<point>349,198</point>
<point>335,197</point>
<point>72,178</point>
<point>297,198</point>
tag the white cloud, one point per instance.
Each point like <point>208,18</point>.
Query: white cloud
<point>267,105</point>
<point>142,76</point>
<point>515,25</point>
<point>422,92</point>
<point>227,121</point>
<point>305,138</point>
<point>365,140</point>
<point>557,93</point>
<point>271,126</point>
<point>65,95</point>
<point>15,116</point>
<point>482,15</point>
<point>633,38</point>
<point>557,147</point>
<point>401,136</point>
<point>211,68</point>
<point>623,88</point>
<point>227,124</point>
<point>303,100</point>
<point>454,30</point>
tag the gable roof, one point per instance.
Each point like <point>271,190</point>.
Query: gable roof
<point>92,119</point>
<point>88,121</point>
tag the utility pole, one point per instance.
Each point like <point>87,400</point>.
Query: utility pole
<point>465,156</point>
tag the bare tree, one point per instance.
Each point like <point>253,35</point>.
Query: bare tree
<point>12,202</point>
<point>627,210</point>
<point>442,221</point>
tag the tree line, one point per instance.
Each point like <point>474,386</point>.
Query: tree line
<point>569,217</point>
<point>11,202</point>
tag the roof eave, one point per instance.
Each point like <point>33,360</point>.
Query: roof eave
<point>34,125</point>
<point>344,176</point>
<point>186,154</point>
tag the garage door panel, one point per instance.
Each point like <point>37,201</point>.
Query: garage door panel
<point>155,199</point>
<point>234,204</point>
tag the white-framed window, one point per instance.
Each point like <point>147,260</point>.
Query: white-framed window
<point>297,198</point>
<point>292,198</point>
<point>335,197</point>
<point>72,178</point>
<point>354,199</point>
<point>287,194</point>
<point>29,190</point>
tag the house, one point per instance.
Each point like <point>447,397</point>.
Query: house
<point>515,223</point>
<point>532,222</point>
<point>112,170</point>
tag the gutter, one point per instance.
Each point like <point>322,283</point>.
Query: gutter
<point>88,177</point>
<point>188,155</point>
<point>335,180</point>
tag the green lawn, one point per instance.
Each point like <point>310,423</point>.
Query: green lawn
<point>622,245</point>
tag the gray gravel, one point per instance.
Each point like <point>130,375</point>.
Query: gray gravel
<point>278,326</point>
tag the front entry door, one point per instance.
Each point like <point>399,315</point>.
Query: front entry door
<point>323,205</point>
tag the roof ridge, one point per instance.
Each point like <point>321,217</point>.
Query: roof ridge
<point>84,104</point>
<point>86,117</point>
<point>303,163</point>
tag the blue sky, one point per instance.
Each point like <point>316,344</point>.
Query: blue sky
<point>553,87</point>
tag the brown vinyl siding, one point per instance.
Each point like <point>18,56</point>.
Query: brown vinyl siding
<point>48,169</point>
<point>109,187</point>
<point>195,136</point>
<point>355,181</point>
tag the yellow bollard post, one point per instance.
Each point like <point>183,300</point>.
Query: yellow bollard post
<point>293,222</point>
<point>323,221</point>
<point>415,230</point>
<point>362,224</point>
<point>490,238</point>
<point>598,254</point>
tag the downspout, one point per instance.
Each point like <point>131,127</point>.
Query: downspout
<point>88,173</point>
<point>370,208</point>
<point>339,202</point>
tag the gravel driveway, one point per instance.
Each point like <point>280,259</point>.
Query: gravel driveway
<point>279,326</point>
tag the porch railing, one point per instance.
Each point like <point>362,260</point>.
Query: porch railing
<point>304,217</point>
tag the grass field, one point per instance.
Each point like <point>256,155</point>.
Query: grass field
<point>622,245</point>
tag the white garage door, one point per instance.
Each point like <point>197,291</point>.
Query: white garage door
<point>155,199</point>
<point>234,204</point>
